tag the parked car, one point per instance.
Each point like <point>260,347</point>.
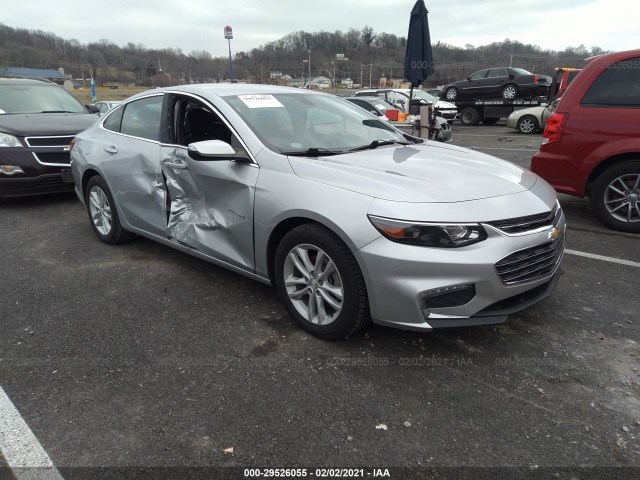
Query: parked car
<point>505,82</point>
<point>529,120</point>
<point>564,77</point>
<point>591,144</point>
<point>378,107</point>
<point>399,97</point>
<point>105,105</point>
<point>38,120</point>
<point>348,217</point>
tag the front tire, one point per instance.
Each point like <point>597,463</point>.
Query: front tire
<point>451,93</point>
<point>320,282</point>
<point>615,197</point>
<point>528,124</point>
<point>103,214</point>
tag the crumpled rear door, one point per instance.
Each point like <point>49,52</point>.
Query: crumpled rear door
<point>211,205</point>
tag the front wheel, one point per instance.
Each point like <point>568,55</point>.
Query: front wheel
<point>451,93</point>
<point>320,283</point>
<point>615,196</point>
<point>103,214</point>
<point>528,124</point>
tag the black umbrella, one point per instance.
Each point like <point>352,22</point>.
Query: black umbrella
<point>418,59</point>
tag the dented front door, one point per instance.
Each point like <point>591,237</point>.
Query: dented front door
<point>211,205</point>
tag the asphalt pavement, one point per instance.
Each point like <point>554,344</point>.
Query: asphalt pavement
<point>140,356</point>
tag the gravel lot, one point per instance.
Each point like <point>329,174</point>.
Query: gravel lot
<point>140,356</point>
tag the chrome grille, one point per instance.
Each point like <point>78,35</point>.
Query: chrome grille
<point>528,223</point>
<point>531,263</point>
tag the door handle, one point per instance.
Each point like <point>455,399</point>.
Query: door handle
<point>177,166</point>
<point>110,149</point>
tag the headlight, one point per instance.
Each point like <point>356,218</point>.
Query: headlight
<point>7,140</point>
<point>439,235</point>
<point>513,114</point>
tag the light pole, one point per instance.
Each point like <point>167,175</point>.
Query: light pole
<point>309,51</point>
<point>228,34</point>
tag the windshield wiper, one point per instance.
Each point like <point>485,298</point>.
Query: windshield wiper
<point>378,143</point>
<point>313,152</point>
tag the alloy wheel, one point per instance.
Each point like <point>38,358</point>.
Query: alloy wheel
<point>100,210</point>
<point>622,198</point>
<point>509,92</point>
<point>313,284</point>
<point>527,125</point>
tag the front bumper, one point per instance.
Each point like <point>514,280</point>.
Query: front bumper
<point>39,177</point>
<point>448,114</point>
<point>397,275</point>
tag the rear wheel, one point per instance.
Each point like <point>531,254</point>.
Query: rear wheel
<point>470,117</point>
<point>320,282</point>
<point>528,124</point>
<point>103,214</point>
<point>615,196</point>
<point>451,93</point>
<point>509,92</point>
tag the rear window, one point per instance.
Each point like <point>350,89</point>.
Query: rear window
<point>617,86</point>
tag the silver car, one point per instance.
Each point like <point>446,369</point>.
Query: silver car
<point>348,217</point>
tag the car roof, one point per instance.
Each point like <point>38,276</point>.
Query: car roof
<point>25,81</point>
<point>615,56</point>
<point>225,89</point>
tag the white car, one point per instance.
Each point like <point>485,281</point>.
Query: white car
<point>529,120</point>
<point>399,97</point>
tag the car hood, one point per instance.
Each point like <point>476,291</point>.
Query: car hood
<point>445,105</point>
<point>25,125</point>
<point>431,172</point>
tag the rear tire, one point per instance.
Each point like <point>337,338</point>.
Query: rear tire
<point>469,117</point>
<point>615,197</point>
<point>320,282</point>
<point>509,92</point>
<point>103,214</point>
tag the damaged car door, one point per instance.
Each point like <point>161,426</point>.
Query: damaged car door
<point>210,183</point>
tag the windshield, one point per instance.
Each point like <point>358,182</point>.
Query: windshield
<point>37,98</point>
<point>302,122</point>
<point>424,96</point>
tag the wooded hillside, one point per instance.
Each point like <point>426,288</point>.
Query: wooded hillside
<point>368,54</point>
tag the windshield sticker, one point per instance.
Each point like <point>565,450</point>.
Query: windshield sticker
<point>260,101</point>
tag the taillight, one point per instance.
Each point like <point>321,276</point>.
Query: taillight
<point>535,78</point>
<point>71,145</point>
<point>555,128</point>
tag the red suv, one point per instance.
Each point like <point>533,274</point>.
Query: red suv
<point>591,144</point>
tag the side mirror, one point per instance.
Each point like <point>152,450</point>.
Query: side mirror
<point>469,79</point>
<point>93,108</point>
<point>211,150</point>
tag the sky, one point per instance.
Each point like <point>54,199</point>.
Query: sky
<point>199,24</point>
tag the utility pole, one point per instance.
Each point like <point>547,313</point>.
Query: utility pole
<point>228,34</point>
<point>309,68</point>
<point>370,73</point>
<point>361,70</point>
<point>510,60</point>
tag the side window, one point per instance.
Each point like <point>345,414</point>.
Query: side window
<point>366,105</point>
<point>618,86</point>
<point>478,75</point>
<point>141,118</point>
<point>496,73</point>
<point>197,122</point>
<point>114,120</point>
<point>503,72</point>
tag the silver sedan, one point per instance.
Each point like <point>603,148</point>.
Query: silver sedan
<point>350,219</point>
